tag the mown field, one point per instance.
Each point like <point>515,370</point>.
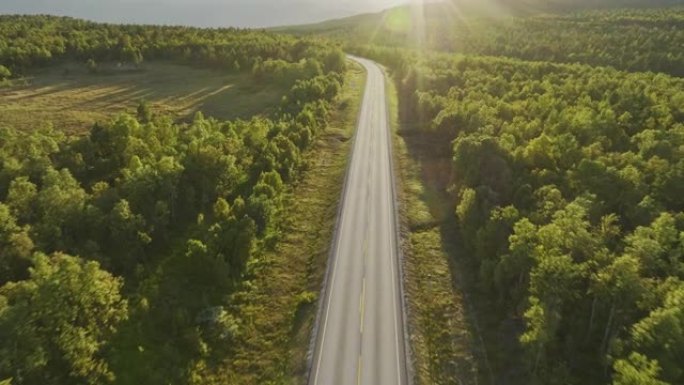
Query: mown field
<point>72,99</point>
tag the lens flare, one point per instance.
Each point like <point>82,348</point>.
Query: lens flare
<point>422,23</point>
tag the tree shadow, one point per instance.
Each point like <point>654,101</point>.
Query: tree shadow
<point>108,99</point>
<point>496,347</point>
<point>39,92</point>
<point>80,97</point>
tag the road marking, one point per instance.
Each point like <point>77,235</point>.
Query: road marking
<point>362,302</point>
<point>370,110</point>
<point>343,217</point>
<point>358,372</point>
<point>332,284</point>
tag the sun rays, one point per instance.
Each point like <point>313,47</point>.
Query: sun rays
<point>421,23</point>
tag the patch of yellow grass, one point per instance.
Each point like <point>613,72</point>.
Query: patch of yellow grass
<point>72,99</point>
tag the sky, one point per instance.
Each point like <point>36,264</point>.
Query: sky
<point>202,13</point>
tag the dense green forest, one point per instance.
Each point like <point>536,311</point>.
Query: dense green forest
<point>628,39</point>
<point>30,41</point>
<point>123,251</point>
<point>567,185</point>
<point>633,40</point>
<point>120,248</point>
<point>565,180</point>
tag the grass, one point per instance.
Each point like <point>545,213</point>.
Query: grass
<point>278,304</point>
<point>457,334</point>
<point>72,99</point>
<point>442,329</point>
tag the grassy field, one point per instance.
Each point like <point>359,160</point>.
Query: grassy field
<point>72,99</point>
<point>445,343</point>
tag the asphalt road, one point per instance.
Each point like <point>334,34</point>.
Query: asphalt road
<point>360,338</point>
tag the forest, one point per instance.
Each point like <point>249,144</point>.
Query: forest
<point>123,249</point>
<point>648,39</point>
<point>33,41</point>
<point>632,40</point>
<point>566,183</point>
<point>120,248</point>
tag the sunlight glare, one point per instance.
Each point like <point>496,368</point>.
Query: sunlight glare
<point>424,23</point>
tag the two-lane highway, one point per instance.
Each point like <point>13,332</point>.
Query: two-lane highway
<point>360,337</point>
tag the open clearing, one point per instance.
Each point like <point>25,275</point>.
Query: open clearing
<point>72,99</point>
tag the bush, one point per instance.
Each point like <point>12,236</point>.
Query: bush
<point>5,73</point>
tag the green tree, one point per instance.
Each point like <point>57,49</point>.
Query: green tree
<point>233,235</point>
<point>132,55</point>
<point>61,205</point>
<point>659,247</point>
<point>5,73</point>
<point>512,272</point>
<point>127,237</point>
<point>661,335</point>
<point>554,282</point>
<point>55,326</point>
<point>21,198</point>
<point>144,113</point>
<point>617,286</point>
<point>15,248</point>
<point>637,370</point>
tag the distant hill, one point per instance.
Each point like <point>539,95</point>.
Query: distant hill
<point>440,12</point>
<point>570,5</point>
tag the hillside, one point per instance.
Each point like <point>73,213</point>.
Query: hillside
<point>437,11</point>
<point>634,39</point>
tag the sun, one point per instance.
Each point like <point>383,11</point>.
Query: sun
<point>412,21</point>
<point>407,21</point>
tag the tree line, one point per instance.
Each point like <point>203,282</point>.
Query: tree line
<point>32,41</point>
<point>567,185</point>
<point>102,235</point>
<point>632,40</point>
<point>640,39</point>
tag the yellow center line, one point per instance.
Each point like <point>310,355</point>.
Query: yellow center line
<point>358,372</point>
<point>362,302</point>
<point>362,307</point>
